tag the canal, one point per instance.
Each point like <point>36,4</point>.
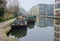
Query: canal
<point>42,32</point>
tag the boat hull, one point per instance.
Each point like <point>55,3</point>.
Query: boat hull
<point>30,22</point>
<point>18,26</point>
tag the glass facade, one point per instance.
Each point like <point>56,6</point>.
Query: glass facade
<point>57,0</point>
<point>57,5</point>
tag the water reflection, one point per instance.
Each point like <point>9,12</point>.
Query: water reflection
<point>18,33</point>
<point>31,26</point>
<point>50,22</point>
<point>39,34</point>
<point>44,22</point>
<point>42,33</point>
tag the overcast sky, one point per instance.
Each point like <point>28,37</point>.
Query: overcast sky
<point>27,4</point>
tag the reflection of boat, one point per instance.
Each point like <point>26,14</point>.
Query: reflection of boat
<point>30,21</point>
<point>30,26</point>
<point>18,33</point>
<point>19,23</point>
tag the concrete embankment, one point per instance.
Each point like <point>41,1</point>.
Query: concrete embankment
<point>4,29</point>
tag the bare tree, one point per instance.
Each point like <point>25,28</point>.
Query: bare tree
<point>15,5</point>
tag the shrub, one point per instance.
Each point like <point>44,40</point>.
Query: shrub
<point>2,19</point>
<point>11,17</point>
<point>1,1</point>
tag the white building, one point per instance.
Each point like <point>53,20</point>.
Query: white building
<point>57,21</point>
<point>34,11</point>
<point>42,11</point>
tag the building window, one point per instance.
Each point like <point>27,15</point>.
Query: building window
<point>57,5</point>
<point>57,0</point>
<point>57,21</point>
<point>57,12</point>
<point>56,35</point>
<point>57,28</point>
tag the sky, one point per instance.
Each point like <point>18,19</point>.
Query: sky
<point>27,4</point>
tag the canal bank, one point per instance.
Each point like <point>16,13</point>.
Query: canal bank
<point>34,32</point>
<point>4,29</point>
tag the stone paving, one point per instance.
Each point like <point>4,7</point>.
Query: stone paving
<point>3,36</point>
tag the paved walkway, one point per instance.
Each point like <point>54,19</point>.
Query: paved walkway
<point>2,24</point>
<point>3,36</point>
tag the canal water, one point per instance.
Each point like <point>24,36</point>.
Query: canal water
<point>33,32</point>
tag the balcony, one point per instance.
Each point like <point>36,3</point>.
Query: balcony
<point>57,35</point>
<point>57,21</point>
<point>57,0</point>
<point>57,5</point>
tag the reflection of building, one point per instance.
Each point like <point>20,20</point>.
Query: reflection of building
<point>50,13</point>
<point>57,21</point>
<point>42,11</point>
<point>50,22</point>
<point>42,22</point>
